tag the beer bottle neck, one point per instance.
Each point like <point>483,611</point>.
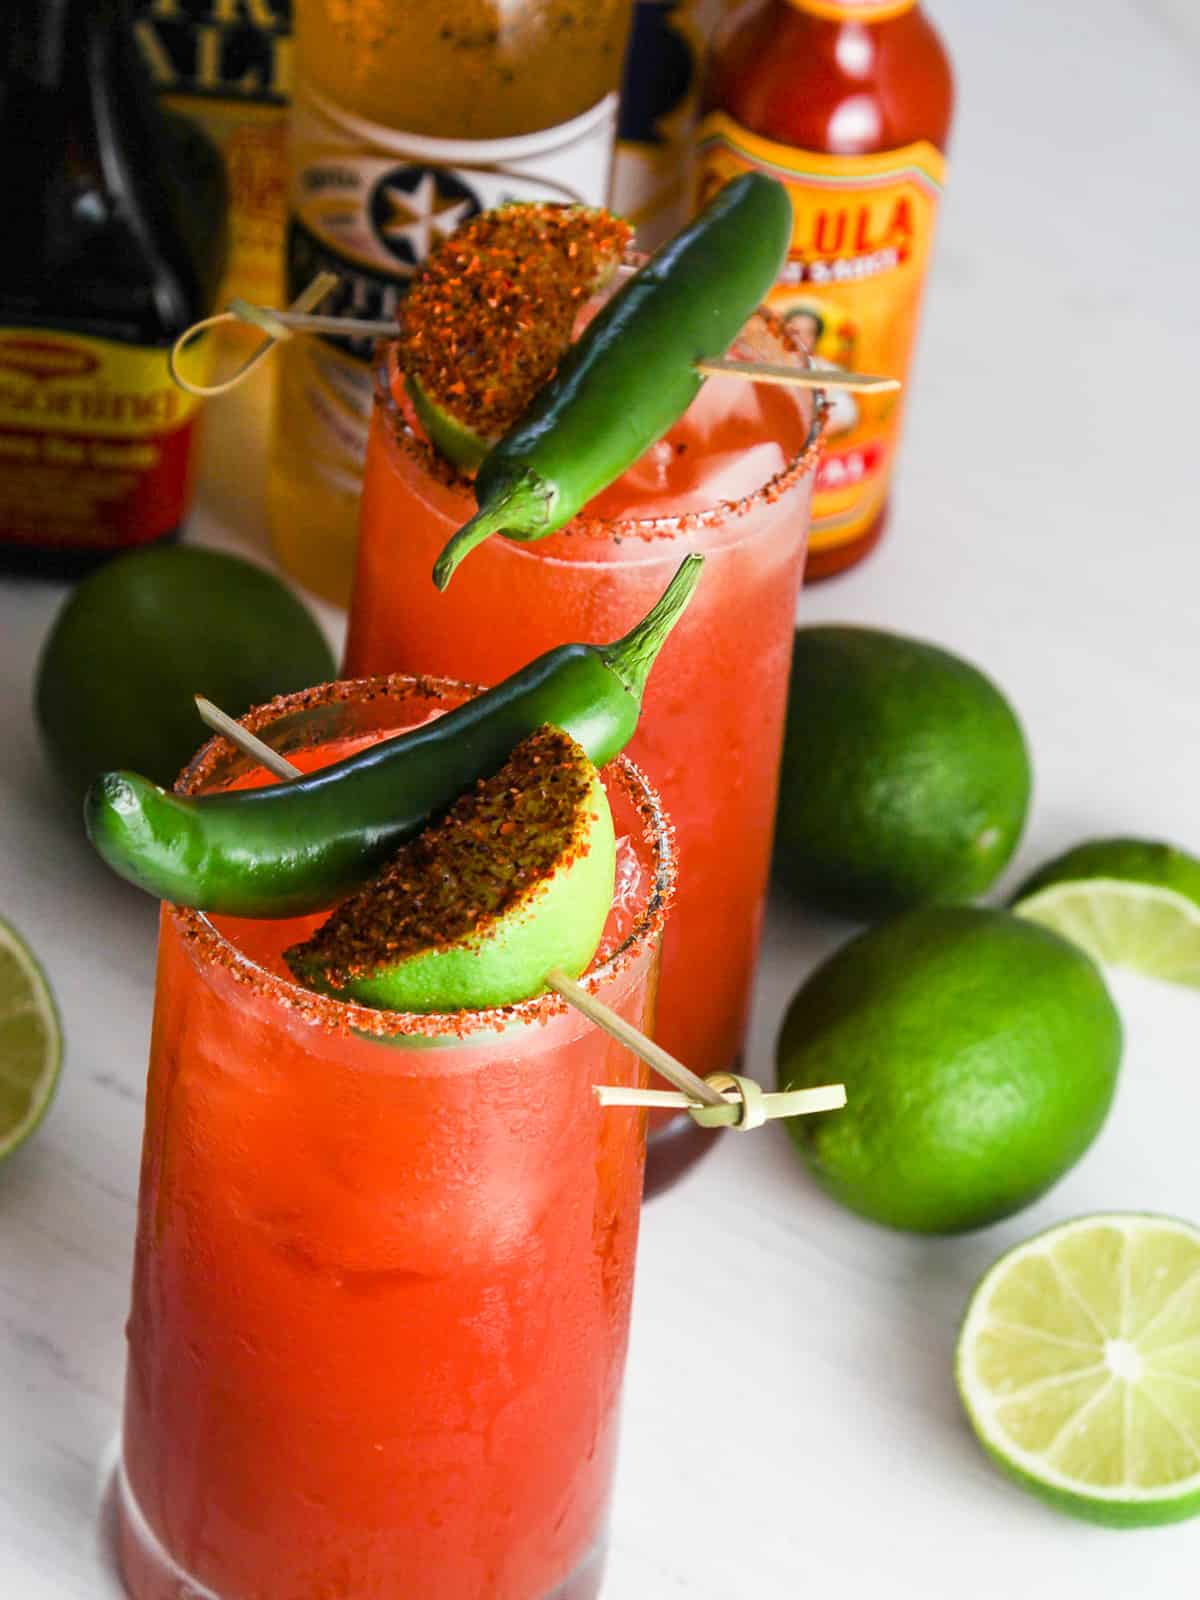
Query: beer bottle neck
<point>44,39</point>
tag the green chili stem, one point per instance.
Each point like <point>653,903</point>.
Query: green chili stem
<point>523,506</point>
<point>632,656</point>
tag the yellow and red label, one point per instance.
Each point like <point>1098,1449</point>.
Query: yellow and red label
<point>228,65</point>
<point>253,141</point>
<point>855,10</point>
<point>850,287</point>
<point>95,441</point>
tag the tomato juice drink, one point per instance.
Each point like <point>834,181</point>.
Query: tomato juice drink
<point>384,1261</point>
<point>732,479</point>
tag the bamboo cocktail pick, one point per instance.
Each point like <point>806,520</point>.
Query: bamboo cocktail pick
<point>797,377</point>
<point>248,743</point>
<point>281,325</point>
<point>270,322</point>
<point>722,1100</point>
<point>725,1099</point>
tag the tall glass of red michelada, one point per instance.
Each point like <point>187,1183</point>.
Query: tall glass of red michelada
<point>384,1262</point>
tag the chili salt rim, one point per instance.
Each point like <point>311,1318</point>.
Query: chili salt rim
<point>719,514</point>
<point>346,1017</point>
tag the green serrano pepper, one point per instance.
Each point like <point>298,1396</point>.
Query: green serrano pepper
<point>301,845</point>
<point>631,374</point>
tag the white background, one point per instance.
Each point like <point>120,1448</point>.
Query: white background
<point>1045,527</point>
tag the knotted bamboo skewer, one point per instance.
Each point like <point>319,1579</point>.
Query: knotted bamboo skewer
<point>298,318</point>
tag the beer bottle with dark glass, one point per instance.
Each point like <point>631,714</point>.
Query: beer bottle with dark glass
<point>114,242</point>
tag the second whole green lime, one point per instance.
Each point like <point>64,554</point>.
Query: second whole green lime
<point>905,778</point>
<point>979,1054</point>
<point>138,639</point>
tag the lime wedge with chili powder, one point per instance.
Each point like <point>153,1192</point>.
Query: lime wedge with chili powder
<point>487,319</point>
<point>452,439</point>
<point>1079,1368</point>
<point>30,1041</point>
<point>1132,903</point>
<point>515,880</point>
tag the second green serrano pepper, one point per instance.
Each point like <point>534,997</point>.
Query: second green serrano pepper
<point>631,374</point>
<point>301,845</point>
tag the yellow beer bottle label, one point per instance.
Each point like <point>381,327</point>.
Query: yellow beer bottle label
<point>855,10</point>
<point>850,287</point>
<point>368,203</point>
<point>228,65</point>
<point>95,440</point>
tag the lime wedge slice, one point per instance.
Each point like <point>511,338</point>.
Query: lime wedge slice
<point>1079,1367</point>
<point>1148,929</point>
<point>451,438</point>
<point>30,1041</point>
<point>516,879</point>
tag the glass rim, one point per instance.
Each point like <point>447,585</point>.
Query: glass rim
<point>388,375</point>
<point>353,1018</point>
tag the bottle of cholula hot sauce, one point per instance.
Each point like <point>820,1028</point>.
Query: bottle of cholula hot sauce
<point>848,102</point>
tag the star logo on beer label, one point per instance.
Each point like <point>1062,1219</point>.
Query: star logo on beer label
<point>413,207</point>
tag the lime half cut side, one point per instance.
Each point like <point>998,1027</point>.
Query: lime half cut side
<point>1143,927</point>
<point>30,1041</point>
<point>1079,1367</point>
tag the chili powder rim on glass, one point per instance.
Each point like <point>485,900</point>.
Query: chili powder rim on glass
<point>348,1018</point>
<point>389,378</point>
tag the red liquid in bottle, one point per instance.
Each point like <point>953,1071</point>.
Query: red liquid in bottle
<point>849,104</point>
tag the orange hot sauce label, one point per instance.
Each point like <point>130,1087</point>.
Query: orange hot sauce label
<point>95,441</point>
<point>851,288</point>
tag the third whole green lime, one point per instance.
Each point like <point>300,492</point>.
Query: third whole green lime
<point>905,778</point>
<point>135,641</point>
<point>979,1054</point>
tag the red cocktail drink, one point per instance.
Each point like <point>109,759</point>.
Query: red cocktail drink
<point>384,1261</point>
<point>733,480</point>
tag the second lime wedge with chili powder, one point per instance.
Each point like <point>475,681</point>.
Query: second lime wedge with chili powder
<point>516,879</point>
<point>487,319</point>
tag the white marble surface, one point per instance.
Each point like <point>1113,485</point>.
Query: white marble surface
<point>1045,527</point>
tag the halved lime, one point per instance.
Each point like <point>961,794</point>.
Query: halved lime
<point>30,1041</point>
<point>1079,1367</point>
<point>1144,927</point>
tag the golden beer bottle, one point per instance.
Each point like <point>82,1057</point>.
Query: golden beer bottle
<point>407,119</point>
<point>227,65</point>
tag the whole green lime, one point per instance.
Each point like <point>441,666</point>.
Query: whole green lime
<point>137,640</point>
<point>905,778</point>
<point>979,1054</point>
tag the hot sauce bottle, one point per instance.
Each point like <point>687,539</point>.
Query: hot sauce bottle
<point>848,102</point>
<point>115,242</point>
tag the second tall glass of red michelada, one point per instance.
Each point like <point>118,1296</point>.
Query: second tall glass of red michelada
<point>731,479</point>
